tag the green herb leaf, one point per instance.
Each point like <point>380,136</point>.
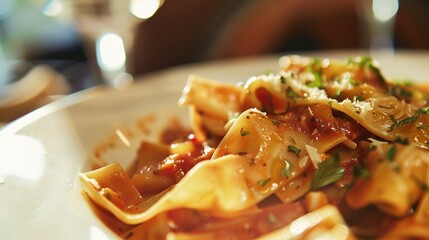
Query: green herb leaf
<point>263,182</point>
<point>402,140</point>
<point>400,92</point>
<point>402,122</point>
<point>353,82</point>
<point>317,63</point>
<point>286,171</point>
<point>357,98</point>
<point>290,93</point>
<point>390,154</point>
<point>316,70</point>
<point>294,150</point>
<point>410,119</point>
<point>361,171</point>
<point>395,123</point>
<point>361,61</point>
<point>244,133</point>
<point>329,171</point>
<point>366,61</point>
<point>317,82</point>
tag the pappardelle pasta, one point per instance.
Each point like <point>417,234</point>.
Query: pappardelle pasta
<point>320,149</point>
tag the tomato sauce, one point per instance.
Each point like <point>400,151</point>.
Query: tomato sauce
<point>177,165</point>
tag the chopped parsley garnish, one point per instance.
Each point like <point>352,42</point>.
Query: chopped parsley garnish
<point>353,82</point>
<point>402,122</point>
<point>410,119</point>
<point>402,140</point>
<point>294,150</point>
<point>357,98</point>
<point>316,70</point>
<point>390,154</point>
<point>286,170</point>
<point>329,171</point>
<point>366,61</point>
<point>244,133</point>
<point>317,63</point>
<point>263,182</point>
<point>400,92</point>
<point>290,93</point>
<point>317,82</point>
<point>395,123</point>
<point>361,61</point>
<point>361,171</point>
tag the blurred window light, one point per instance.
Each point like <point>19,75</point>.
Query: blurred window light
<point>384,10</point>
<point>144,9</point>
<point>6,7</point>
<point>110,52</point>
<point>53,8</point>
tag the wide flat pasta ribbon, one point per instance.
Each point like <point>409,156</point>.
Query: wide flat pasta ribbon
<point>253,161</point>
<point>383,115</point>
<point>396,176</point>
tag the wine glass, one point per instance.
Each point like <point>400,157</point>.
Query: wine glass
<point>379,17</point>
<point>107,29</point>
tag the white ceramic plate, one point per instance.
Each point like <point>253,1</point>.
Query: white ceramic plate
<point>42,153</point>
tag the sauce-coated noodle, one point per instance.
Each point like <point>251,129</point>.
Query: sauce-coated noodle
<point>320,149</point>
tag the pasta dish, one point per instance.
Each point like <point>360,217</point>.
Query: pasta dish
<point>320,149</point>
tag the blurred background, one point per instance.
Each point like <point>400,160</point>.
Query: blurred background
<point>77,44</point>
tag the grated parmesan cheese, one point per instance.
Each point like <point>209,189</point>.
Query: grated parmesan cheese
<point>314,155</point>
<point>303,162</point>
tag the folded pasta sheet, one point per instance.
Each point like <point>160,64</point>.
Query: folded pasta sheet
<point>320,148</point>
